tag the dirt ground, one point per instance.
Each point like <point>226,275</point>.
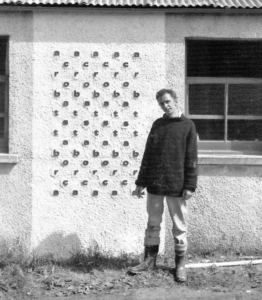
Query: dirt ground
<point>112,283</point>
<point>232,283</point>
<point>175,293</point>
<point>169,294</point>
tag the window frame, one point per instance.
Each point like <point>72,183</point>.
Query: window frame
<point>223,146</point>
<point>5,115</point>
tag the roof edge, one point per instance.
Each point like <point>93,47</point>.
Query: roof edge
<point>141,9</point>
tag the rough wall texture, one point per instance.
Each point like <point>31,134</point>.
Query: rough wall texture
<point>16,180</point>
<point>95,81</point>
<point>225,212</point>
<point>78,71</point>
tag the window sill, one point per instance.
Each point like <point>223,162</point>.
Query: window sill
<point>229,159</point>
<point>8,158</point>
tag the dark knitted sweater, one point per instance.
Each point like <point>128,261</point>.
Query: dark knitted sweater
<point>169,164</point>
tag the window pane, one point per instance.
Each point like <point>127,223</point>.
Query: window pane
<point>3,43</point>
<point>224,58</point>
<point>206,99</point>
<point>2,127</point>
<point>210,130</point>
<point>2,97</point>
<point>244,130</point>
<point>245,99</point>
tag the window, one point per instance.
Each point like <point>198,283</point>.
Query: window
<point>224,89</point>
<point>4,94</point>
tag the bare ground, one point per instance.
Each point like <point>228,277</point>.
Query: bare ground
<point>101,279</point>
<point>94,276</point>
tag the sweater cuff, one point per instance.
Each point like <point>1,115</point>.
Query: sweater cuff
<point>140,183</point>
<point>190,188</point>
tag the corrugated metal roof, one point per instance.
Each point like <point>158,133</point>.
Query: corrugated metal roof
<point>145,3</point>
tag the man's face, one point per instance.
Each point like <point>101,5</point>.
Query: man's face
<point>168,105</point>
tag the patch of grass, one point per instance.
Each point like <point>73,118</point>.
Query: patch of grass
<point>23,275</point>
<point>13,253</point>
<point>96,259</point>
<point>95,271</point>
<point>14,260</point>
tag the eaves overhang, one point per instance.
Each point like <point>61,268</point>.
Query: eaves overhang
<point>197,4</point>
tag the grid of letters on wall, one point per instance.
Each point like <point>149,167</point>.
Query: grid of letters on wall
<point>94,122</point>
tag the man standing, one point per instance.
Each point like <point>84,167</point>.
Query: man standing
<point>168,170</point>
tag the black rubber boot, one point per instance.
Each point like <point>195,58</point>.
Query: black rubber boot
<point>149,262</point>
<point>180,271</point>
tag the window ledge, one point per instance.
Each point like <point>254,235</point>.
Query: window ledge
<point>8,158</point>
<point>227,159</point>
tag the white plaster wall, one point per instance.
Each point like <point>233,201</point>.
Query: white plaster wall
<point>65,223</point>
<point>225,213</point>
<point>16,179</point>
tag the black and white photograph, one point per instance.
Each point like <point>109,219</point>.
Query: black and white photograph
<point>131,149</point>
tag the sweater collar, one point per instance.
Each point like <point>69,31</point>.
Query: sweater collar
<point>178,116</point>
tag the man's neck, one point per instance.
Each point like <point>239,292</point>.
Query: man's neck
<point>176,115</point>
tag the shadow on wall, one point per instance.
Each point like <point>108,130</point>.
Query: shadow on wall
<point>6,169</point>
<point>59,245</point>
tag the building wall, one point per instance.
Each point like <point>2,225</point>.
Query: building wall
<point>225,213</point>
<point>63,68</point>
<point>16,179</point>
<point>78,217</point>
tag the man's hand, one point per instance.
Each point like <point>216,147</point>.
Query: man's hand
<point>138,191</point>
<point>187,194</point>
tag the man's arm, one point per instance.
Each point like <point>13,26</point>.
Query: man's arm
<point>142,178</point>
<point>191,168</point>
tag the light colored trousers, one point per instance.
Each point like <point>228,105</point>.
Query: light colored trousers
<point>178,213</point>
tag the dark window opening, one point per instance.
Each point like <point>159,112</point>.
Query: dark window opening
<point>4,82</point>
<point>224,58</point>
<point>224,82</point>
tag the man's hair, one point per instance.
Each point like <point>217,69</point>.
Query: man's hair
<point>162,92</point>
